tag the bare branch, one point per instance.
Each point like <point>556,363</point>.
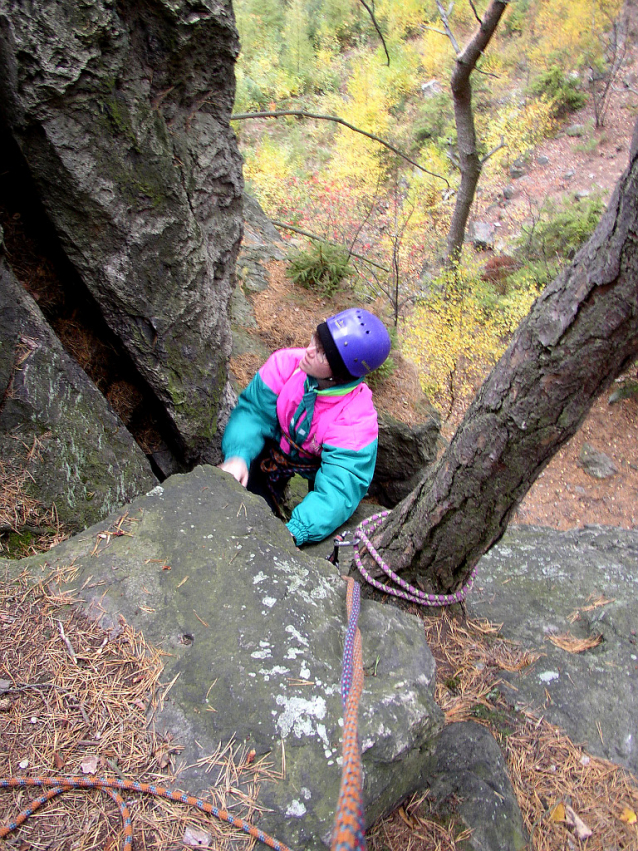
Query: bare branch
<point>318,238</point>
<point>453,158</point>
<point>446,25</point>
<point>476,14</point>
<point>370,12</point>
<point>491,153</point>
<point>299,113</point>
<point>433,29</point>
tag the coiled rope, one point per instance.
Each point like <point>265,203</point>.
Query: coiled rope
<point>349,828</point>
<point>63,784</point>
<point>405,591</point>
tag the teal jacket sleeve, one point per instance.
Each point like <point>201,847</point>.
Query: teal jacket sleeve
<point>340,485</point>
<point>254,418</point>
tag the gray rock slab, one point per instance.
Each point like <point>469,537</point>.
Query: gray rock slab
<point>467,773</point>
<point>253,628</point>
<point>596,463</point>
<point>481,234</point>
<point>534,582</point>
<point>404,454</point>
<point>84,461</point>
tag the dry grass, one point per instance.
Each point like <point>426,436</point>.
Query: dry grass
<point>546,768</point>
<point>21,513</point>
<point>573,644</point>
<point>78,700</point>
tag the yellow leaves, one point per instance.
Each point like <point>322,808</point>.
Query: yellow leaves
<point>437,53</point>
<point>267,168</point>
<point>400,18</point>
<point>458,333</point>
<point>520,128</point>
<point>569,29</point>
<point>564,813</point>
<point>628,816</point>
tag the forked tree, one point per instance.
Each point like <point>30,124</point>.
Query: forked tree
<point>579,335</point>
<point>469,162</point>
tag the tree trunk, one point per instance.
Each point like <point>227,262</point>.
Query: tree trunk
<point>469,161</point>
<point>579,335</point>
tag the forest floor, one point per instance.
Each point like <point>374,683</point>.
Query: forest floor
<point>564,496</point>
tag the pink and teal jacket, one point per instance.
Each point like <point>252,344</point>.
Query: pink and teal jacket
<point>338,425</point>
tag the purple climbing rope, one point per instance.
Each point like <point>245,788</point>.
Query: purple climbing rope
<point>405,591</point>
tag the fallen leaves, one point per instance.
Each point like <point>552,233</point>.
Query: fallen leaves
<point>572,644</point>
<point>89,764</point>
<point>564,813</point>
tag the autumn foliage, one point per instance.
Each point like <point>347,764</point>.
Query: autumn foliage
<point>327,57</point>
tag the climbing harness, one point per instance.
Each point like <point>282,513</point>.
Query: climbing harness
<point>405,591</point>
<point>280,468</point>
<point>63,784</point>
<point>349,828</point>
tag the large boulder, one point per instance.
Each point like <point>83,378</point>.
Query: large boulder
<point>253,629</point>
<point>55,425</point>
<point>579,588</point>
<point>404,454</point>
<point>466,773</point>
<point>121,112</point>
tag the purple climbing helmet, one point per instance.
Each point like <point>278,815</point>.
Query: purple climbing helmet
<point>361,339</point>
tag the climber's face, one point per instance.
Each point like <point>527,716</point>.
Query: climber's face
<point>314,361</point>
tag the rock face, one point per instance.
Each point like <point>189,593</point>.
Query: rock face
<point>404,453</point>
<point>82,459</point>
<point>468,769</point>
<point>254,629</point>
<point>121,113</point>
<point>540,582</point>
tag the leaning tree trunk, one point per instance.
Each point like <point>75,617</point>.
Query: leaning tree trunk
<point>579,335</point>
<point>469,161</point>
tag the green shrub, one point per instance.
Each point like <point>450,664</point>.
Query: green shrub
<point>435,119</point>
<point>560,230</point>
<point>376,378</point>
<point>562,91</point>
<point>323,267</point>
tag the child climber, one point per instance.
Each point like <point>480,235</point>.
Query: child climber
<point>308,411</point>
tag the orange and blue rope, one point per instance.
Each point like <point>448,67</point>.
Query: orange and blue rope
<point>349,828</point>
<point>110,786</point>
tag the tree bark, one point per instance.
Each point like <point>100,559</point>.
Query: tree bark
<point>469,162</point>
<point>579,335</point>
